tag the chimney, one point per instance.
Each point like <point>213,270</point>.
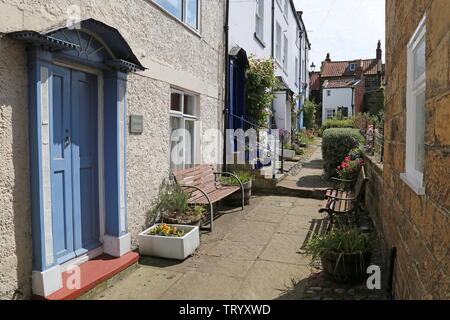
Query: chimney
<point>379,51</point>
<point>328,59</point>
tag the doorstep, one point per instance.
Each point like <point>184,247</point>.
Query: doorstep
<point>93,272</point>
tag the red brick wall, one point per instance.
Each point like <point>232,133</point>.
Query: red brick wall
<point>418,225</point>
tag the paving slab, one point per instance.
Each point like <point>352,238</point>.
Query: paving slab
<point>269,280</point>
<point>285,248</point>
<point>195,285</point>
<point>145,283</point>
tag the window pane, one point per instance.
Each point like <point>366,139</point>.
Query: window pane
<point>190,143</point>
<point>189,105</point>
<point>175,102</point>
<point>278,44</point>
<point>419,60</point>
<point>192,13</point>
<point>285,53</point>
<point>420,132</point>
<point>176,144</point>
<point>175,7</point>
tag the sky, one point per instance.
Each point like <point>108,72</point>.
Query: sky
<point>347,29</point>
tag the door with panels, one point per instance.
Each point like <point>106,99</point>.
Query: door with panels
<point>74,162</point>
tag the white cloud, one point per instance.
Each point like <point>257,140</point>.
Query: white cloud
<point>347,29</point>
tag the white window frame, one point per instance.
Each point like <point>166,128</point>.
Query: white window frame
<point>412,177</point>
<point>285,53</point>
<point>297,71</point>
<point>184,14</point>
<point>327,111</point>
<point>259,19</point>
<point>278,44</point>
<point>185,117</point>
<point>286,10</point>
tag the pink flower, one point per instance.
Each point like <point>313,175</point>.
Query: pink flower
<point>339,167</point>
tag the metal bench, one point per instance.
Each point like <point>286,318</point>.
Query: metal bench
<point>340,204</point>
<point>205,188</point>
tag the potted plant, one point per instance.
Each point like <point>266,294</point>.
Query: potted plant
<point>344,254</point>
<point>349,170</point>
<point>235,199</point>
<point>169,241</point>
<point>175,208</point>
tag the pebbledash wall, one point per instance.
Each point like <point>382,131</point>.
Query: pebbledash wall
<point>418,225</point>
<point>175,56</point>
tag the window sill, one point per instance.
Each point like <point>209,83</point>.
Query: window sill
<point>413,183</point>
<point>259,40</point>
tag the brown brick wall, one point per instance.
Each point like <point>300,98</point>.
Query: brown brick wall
<point>419,226</point>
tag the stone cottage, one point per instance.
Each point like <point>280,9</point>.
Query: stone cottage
<point>409,194</point>
<point>89,96</point>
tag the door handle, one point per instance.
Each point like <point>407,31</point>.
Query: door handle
<point>67,141</point>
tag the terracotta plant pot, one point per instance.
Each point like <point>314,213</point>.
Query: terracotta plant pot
<point>351,267</point>
<point>235,199</point>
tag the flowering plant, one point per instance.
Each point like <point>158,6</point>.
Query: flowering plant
<point>349,168</point>
<point>166,231</point>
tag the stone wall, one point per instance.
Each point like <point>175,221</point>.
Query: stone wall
<point>175,57</point>
<point>418,225</point>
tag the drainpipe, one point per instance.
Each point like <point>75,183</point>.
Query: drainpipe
<point>273,32</point>
<point>227,85</point>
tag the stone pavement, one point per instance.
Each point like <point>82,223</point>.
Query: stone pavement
<point>252,254</point>
<point>311,174</point>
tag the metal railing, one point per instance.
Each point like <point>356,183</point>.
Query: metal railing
<point>266,147</point>
<point>374,139</point>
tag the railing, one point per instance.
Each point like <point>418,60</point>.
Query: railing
<point>277,150</point>
<point>374,139</point>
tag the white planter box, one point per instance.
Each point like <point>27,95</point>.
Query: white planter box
<point>170,247</point>
<point>288,153</point>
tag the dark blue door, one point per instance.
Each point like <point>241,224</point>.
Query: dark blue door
<point>74,150</point>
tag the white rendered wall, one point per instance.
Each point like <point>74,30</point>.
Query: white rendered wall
<point>340,97</point>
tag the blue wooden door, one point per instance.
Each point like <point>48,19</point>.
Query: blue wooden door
<point>74,153</point>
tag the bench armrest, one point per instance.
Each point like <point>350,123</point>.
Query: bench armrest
<point>239,180</point>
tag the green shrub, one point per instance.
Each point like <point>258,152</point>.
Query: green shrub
<point>336,123</point>
<point>309,114</point>
<point>336,145</point>
<point>244,176</point>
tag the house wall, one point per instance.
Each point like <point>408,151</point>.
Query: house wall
<point>282,108</point>
<point>418,225</point>
<point>242,22</point>
<point>340,97</point>
<point>174,55</point>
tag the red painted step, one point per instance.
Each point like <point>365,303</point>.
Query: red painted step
<point>92,273</point>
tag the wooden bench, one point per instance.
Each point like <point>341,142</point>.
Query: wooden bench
<point>205,188</point>
<point>340,203</point>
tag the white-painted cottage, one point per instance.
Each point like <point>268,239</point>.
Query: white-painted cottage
<point>265,29</point>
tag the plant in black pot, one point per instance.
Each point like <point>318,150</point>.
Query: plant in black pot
<point>235,199</point>
<point>175,209</point>
<point>344,254</point>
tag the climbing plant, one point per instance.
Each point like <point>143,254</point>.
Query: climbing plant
<point>261,81</point>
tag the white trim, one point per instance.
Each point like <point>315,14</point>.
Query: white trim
<point>414,87</point>
<point>46,166</point>
<point>47,282</point>
<point>101,158</point>
<point>82,259</point>
<point>122,201</point>
<point>117,246</point>
<point>413,183</point>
